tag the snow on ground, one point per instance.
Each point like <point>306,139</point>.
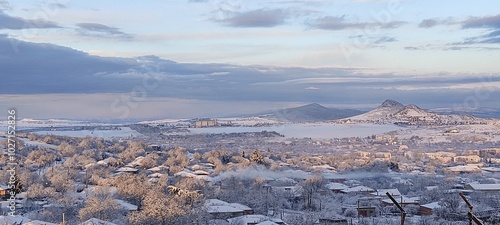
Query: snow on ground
<point>33,123</point>
<point>487,132</point>
<point>121,132</point>
<point>308,130</point>
<point>38,143</point>
<point>249,121</point>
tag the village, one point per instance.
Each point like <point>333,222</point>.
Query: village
<point>250,178</point>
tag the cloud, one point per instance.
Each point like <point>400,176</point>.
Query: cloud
<point>340,23</point>
<point>385,39</point>
<point>50,69</point>
<point>18,23</point>
<point>4,5</point>
<point>57,5</point>
<point>101,30</point>
<point>197,1</point>
<point>482,22</point>
<point>428,23</point>
<point>491,23</point>
<point>254,18</point>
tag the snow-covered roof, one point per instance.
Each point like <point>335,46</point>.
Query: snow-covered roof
<point>267,222</point>
<point>323,167</point>
<point>95,221</point>
<point>240,206</point>
<point>336,186</point>
<point>430,188</point>
<point>158,168</point>
<point>358,189</point>
<point>184,174</point>
<point>485,187</point>
<point>22,220</point>
<point>219,206</point>
<point>4,187</point>
<point>465,168</point>
<point>252,219</point>
<point>286,179</point>
<point>38,222</point>
<point>213,201</point>
<point>222,209</point>
<point>127,169</point>
<point>433,205</point>
<point>491,169</point>
<point>126,205</point>
<point>155,175</point>
<point>218,222</point>
<point>381,192</point>
<point>197,167</point>
<point>403,200</point>
<point>201,172</point>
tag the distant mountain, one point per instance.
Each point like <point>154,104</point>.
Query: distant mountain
<point>382,112</point>
<point>311,113</point>
<point>391,111</point>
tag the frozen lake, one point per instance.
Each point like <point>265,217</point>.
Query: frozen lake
<point>318,131</point>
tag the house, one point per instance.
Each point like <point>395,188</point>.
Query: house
<point>382,192</point>
<point>334,177</point>
<point>95,221</point>
<point>383,155</point>
<point>127,170</point>
<point>205,123</point>
<point>483,187</point>
<point>126,205</point>
<point>22,221</point>
<point>491,169</point>
<point>467,159</point>
<point>336,187</point>
<point>403,201</point>
<point>367,211</point>
<point>358,189</point>
<point>289,191</point>
<point>4,191</point>
<point>489,152</point>
<point>334,221</point>
<point>463,169</point>
<point>219,209</point>
<point>254,220</point>
<point>429,209</point>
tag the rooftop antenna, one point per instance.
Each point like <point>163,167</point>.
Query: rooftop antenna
<point>472,217</point>
<point>403,212</point>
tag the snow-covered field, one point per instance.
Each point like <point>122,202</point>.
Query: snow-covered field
<point>308,130</point>
<point>121,132</point>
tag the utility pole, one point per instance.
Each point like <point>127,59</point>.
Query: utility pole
<point>403,212</point>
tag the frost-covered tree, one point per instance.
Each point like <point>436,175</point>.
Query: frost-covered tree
<point>161,208</point>
<point>104,208</point>
<point>40,158</point>
<point>61,178</point>
<point>132,151</point>
<point>311,186</point>
<point>132,186</point>
<point>67,150</point>
<point>256,157</point>
<point>177,160</point>
<point>37,191</point>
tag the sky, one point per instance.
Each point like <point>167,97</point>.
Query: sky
<point>190,58</point>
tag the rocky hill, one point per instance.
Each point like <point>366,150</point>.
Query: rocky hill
<point>393,112</point>
<point>311,113</point>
